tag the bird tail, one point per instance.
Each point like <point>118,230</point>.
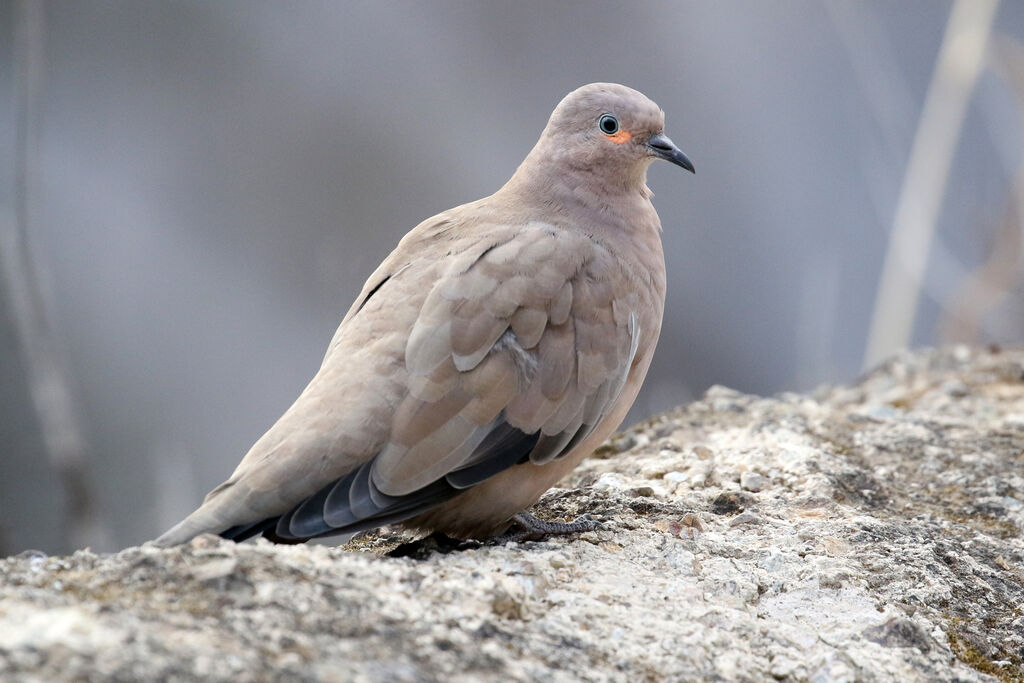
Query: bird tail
<point>209,518</point>
<point>184,531</point>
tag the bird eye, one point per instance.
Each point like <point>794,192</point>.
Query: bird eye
<point>608,124</point>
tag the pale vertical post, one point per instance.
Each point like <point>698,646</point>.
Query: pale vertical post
<point>959,63</point>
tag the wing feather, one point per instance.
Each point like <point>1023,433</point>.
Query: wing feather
<point>518,352</point>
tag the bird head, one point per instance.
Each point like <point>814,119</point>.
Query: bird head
<point>612,128</point>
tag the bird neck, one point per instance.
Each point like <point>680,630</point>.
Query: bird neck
<point>624,221</point>
<point>552,162</point>
<point>552,178</point>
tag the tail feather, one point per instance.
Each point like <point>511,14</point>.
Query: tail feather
<point>244,532</point>
<point>182,532</point>
<point>209,518</point>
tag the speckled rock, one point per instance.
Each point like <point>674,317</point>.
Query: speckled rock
<point>866,532</point>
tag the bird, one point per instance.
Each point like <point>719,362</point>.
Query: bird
<point>497,346</point>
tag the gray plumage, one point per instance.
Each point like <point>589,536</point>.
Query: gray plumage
<point>491,351</point>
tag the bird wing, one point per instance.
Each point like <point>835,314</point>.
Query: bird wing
<point>518,352</point>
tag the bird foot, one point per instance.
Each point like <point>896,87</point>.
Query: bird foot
<point>535,529</point>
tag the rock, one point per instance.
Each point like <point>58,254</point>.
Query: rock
<point>869,532</point>
<point>753,482</point>
<point>730,503</point>
<point>899,632</point>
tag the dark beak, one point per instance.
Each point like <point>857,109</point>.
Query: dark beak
<point>664,148</point>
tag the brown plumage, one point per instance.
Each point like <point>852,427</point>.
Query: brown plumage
<point>492,350</point>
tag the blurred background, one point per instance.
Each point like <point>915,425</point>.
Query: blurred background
<point>192,193</point>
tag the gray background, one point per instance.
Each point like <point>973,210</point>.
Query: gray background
<point>216,180</point>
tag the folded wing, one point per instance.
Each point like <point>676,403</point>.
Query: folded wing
<point>518,352</point>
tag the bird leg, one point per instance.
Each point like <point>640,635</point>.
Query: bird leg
<point>535,529</point>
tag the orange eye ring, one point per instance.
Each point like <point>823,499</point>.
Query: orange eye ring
<point>621,137</point>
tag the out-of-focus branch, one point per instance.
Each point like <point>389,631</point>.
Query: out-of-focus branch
<point>995,278</point>
<point>47,379</point>
<point>888,96</point>
<point>959,63</point>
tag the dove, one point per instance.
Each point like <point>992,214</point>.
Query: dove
<point>495,348</point>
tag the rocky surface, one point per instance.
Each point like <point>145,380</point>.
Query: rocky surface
<point>868,532</point>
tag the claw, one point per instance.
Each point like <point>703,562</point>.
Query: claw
<point>534,529</point>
